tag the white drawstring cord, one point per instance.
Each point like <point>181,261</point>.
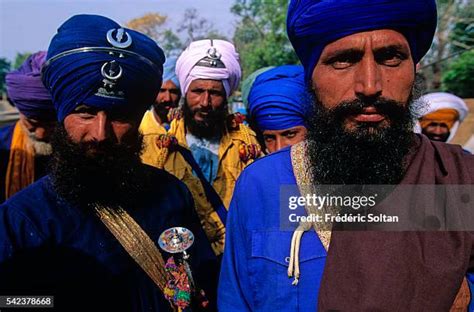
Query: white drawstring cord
<point>294,266</point>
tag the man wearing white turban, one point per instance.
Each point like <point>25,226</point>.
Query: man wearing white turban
<point>445,112</point>
<point>206,147</point>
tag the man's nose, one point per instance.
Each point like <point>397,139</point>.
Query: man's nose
<point>205,99</point>
<point>368,82</point>
<point>101,127</point>
<point>166,97</point>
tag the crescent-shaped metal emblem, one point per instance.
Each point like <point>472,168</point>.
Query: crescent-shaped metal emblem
<point>111,75</point>
<point>116,36</point>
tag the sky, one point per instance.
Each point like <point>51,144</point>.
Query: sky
<point>29,25</point>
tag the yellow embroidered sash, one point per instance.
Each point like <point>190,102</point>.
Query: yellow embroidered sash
<point>21,163</point>
<point>304,179</point>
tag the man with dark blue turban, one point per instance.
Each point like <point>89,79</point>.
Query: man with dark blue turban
<point>286,248</point>
<point>278,105</point>
<point>24,145</point>
<point>88,233</point>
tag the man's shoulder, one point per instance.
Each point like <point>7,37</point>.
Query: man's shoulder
<point>37,199</point>
<point>269,165</point>
<point>6,133</point>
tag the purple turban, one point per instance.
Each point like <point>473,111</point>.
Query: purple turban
<point>26,90</point>
<point>313,24</point>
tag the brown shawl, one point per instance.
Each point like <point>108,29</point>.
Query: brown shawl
<point>403,271</point>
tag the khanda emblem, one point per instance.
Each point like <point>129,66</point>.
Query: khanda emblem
<point>119,38</point>
<point>214,56</point>
<point>111,71</point>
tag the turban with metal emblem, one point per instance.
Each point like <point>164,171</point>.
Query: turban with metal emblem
<point>278,98</point>
<point>209,59</point>
<point>26,90</point>
<point>92,60</point>
<point>312,24</point>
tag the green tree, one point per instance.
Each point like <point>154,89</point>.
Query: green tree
<point>20,58</point>
<point>154,26</point>
<point>195,27</point>
<point>459,78</point>
<point>260,36</point>
<point>4,69</point>
<point>454,22</point>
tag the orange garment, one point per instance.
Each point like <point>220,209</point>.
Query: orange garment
<point>21,163</point>
<point>447,116</point>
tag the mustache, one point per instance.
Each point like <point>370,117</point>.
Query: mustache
<point>389,108</point>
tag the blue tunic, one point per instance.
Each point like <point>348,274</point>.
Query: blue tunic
<point>49,247</point>
<point>6,134</point>
<point>254,268</point>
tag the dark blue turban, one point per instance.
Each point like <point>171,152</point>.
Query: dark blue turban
<point>313,24</point>
<point>92,60</point>
<point>278,98</point>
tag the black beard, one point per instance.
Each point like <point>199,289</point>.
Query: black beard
<point>212,127</point>
<point>367,154</point>
<point>161,111</point>
<point>113,175</point>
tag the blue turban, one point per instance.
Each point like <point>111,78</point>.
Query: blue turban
<point>169,72</point>
<point>26,90</point>
<point>313,24</point>
<point>278,98</point>
<point>94,61</point>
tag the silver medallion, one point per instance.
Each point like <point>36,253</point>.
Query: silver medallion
<point>176,240</point>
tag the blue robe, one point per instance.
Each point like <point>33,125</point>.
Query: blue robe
<point>49,247</point>
<point>254,268</point>
<point>6,134</point>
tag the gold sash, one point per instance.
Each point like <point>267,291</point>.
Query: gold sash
<point>136,242</point>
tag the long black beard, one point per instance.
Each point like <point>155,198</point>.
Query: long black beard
<point>367,154</point>
<point>113,175</point>
<point>212,127</point>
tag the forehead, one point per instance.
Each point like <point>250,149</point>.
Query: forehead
<point>206,84</point>
<point>375,39</point>
<point>168,84</point>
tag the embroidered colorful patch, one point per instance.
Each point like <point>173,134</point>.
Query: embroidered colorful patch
<point>248,151</point>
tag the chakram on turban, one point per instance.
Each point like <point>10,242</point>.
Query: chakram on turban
<point>278,98</point>
<point>313,24</point>
<point>26,90</point>
<point>92,60</point>
<point>209,59</point>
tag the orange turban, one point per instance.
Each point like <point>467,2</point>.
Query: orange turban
<point>447,116</point>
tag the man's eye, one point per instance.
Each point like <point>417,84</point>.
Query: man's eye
<point>341,64</point>
<point>291,135</point>
<point>391,58</point>
<point>268,139</point>
<point>86,115</point>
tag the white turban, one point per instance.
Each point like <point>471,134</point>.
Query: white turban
<point>442,100</point>
<point>209,59</point>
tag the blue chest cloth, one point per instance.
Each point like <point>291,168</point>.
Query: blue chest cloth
<point>50,247</point>
<point>254,268</point>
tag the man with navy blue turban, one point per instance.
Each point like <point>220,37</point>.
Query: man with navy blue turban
<point>278,105</point>
<point>287,244</point>
<point>88,233</point>
<point>25,145</point>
